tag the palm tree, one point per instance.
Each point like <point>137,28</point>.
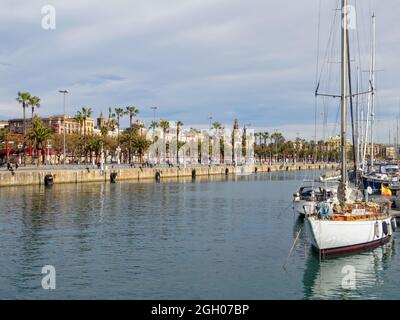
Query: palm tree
<point>278,139</point>
<point>133,112</point>
<point>34,102</point>
<point>86,113</point>
<point>141,144</point>
<point>79,119</point>
<point>23,98</point>
<point>127,138</point>
<point>104,131</point>
<point>39,134</point>
<point>140,127</point>
<point>119,113</point>
<point>265,136</point>
<point>4,133</point>
<point>94,146</point>
<point>154,125</point>
<point>164,125</point>
<point>216,126</point>
<point>179,124</point>
<point>112,124</point>
<point>257,135</point>
<point>110,114</point>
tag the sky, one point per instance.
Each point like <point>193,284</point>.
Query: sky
<point>253,60</point>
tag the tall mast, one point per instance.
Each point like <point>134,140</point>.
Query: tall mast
<point>343,184</point>
<point>397,136</point>
<point>373,89</point>
<point>358,155</point>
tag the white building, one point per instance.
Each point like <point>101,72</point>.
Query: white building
<point>3,124</point>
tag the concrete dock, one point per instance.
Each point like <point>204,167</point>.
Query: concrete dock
<point>38,176</point>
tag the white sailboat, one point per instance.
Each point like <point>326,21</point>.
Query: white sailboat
<point>348,225</point>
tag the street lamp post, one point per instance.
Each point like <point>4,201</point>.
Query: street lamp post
<point>154,113</point>
<point>64,92</point>
<point>246,126</point>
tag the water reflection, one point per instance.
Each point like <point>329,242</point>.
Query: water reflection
<point>326,279</point>
<point>221,237</point>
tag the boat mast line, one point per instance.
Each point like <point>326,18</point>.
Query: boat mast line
<point>355,150</point>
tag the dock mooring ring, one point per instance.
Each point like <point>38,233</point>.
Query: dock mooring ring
<point>158,176</point>
<point>194,173</point>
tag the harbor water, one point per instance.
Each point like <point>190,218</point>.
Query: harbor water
<point>209,238</point>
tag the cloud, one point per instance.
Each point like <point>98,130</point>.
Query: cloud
<point>252,60</point>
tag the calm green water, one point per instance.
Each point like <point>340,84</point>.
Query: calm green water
<point>219,238</point>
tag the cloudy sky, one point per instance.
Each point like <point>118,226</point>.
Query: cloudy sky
<point>254,60</point>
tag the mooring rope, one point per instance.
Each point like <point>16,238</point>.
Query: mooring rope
<point>292,248</point>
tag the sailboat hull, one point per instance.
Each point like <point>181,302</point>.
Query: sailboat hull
<point>343,237</point>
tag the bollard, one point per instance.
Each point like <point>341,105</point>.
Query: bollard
<point>113,177</point>
<point>48,180</point>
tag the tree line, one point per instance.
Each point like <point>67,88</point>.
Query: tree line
<point>275,147</point>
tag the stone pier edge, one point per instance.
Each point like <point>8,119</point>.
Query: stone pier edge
<point>37,177</point>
